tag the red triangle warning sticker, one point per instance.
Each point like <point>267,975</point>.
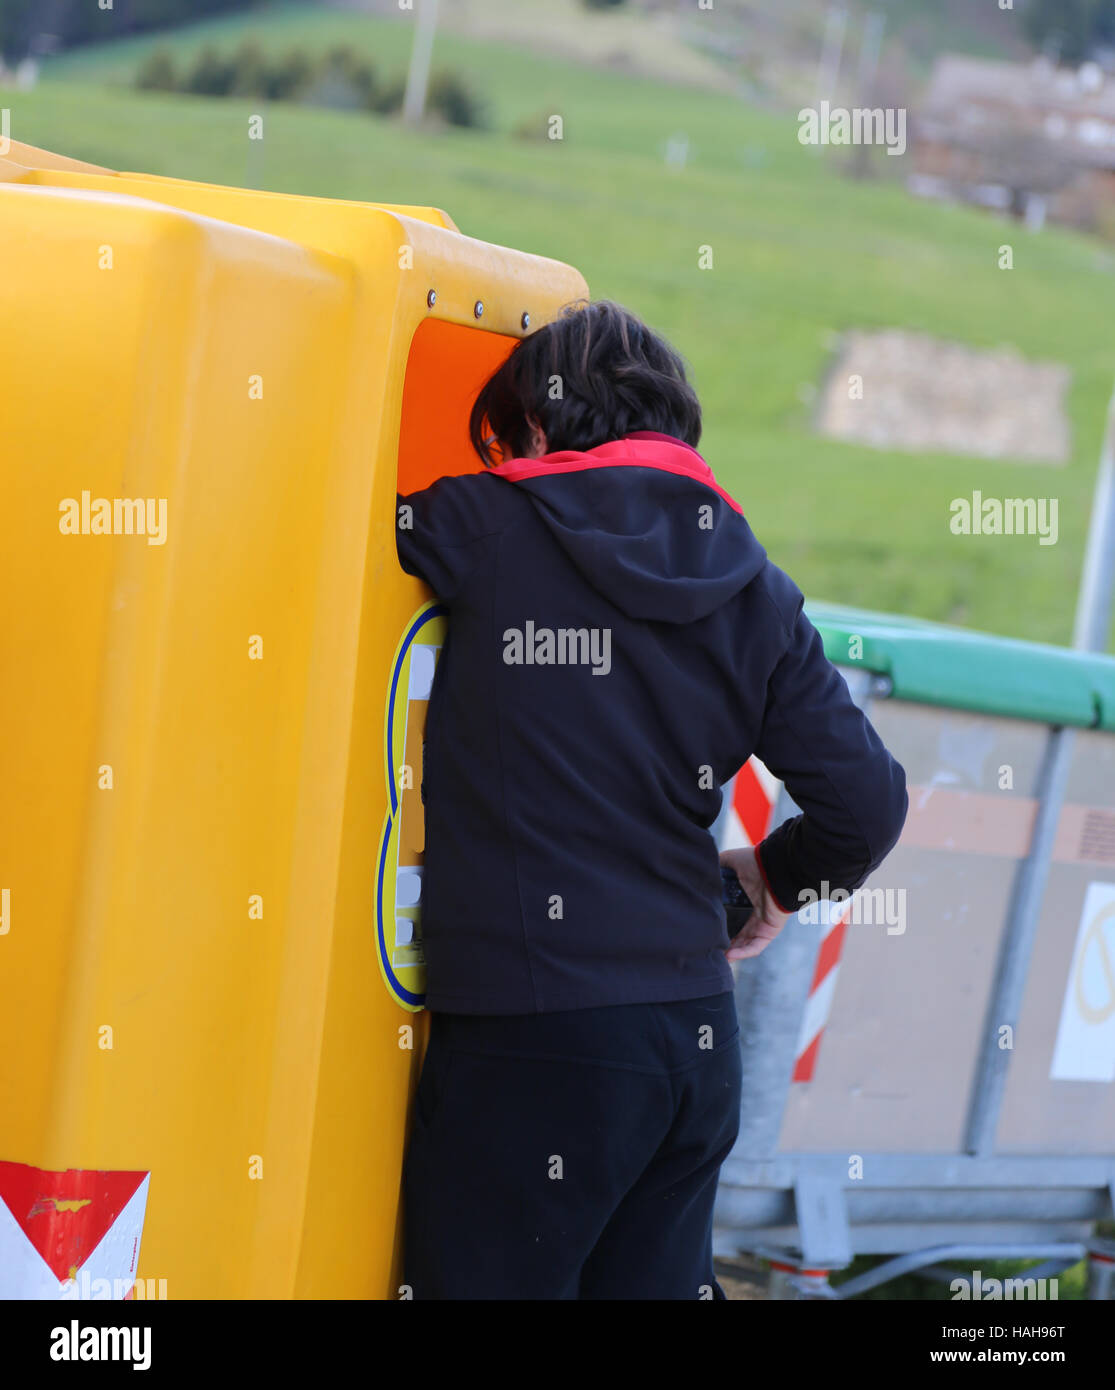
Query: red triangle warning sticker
<point>65,1215</point>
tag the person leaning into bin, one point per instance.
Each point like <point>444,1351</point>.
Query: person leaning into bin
<point>619,645</point>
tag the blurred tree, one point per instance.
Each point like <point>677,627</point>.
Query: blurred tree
<point>249,70</point>
<point>211,75</point>
<point>1074,27</point>
<point>389,97</point>
<point>157,72</point>
<point>355,69</point>
<point>452,98</point>
<point>288,77</point>
<point>344,79</point>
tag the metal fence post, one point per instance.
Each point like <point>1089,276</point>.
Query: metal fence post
<point>1093,617</point>
<point>1027,894</point>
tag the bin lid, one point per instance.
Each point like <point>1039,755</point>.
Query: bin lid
<point>935,664</point>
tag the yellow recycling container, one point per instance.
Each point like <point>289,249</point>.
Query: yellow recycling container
<point>215,680</point>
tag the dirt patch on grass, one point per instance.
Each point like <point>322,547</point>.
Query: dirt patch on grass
<point>907,391</point>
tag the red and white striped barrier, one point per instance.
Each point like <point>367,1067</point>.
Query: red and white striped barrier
<point>753,798</point>
<point>823,987</point>
<point>748,822</point>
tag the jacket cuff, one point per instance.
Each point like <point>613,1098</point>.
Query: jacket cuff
<point>778,885</point>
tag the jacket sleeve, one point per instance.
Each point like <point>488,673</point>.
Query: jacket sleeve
<point>437,530</point>
<point>851,792</point>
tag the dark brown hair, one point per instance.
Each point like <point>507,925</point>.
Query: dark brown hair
<point>612,376</point>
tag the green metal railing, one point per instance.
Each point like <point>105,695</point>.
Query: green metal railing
<point>934,664</point>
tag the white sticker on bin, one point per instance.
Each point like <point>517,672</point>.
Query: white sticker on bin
<point>1085,1046</point>
<point>408,886</point>
<point>423,661</point>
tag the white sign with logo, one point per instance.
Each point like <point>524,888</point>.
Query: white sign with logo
<point>1085,1047</point>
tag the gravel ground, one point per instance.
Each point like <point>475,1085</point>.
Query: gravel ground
<point>742,1278</point>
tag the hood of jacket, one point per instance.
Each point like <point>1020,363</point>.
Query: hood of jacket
<point>645,522</point>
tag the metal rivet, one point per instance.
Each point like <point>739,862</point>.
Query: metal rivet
<point>431,299</point>
<point>478,308</point>
<point>525,321</point>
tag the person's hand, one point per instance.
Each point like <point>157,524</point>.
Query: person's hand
<point>767,920</point>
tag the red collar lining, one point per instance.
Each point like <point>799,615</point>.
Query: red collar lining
<point>663,439</point>
<point>647,451</point>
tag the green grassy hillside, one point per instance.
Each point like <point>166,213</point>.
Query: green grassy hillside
<point>799,253</point>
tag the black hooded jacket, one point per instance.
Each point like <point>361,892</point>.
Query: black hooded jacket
<point>619,645</point>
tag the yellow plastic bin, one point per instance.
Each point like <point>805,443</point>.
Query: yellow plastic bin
<point>211,837</point>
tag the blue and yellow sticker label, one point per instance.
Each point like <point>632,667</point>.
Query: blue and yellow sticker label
<point>403,842</point>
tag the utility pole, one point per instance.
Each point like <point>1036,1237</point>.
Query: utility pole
<point>418,75</point>
<point>1093,605</point>
<point>869,55</point>
<point>870,48</point>
<point>832,51</point>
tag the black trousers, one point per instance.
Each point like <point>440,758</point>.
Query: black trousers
<point>573,1154</point>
